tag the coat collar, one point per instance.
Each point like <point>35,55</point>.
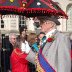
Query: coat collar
<point>49,34</point>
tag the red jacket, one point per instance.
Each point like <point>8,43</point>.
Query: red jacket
<point>18,61</point>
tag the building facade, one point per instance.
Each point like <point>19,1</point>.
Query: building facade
<point>11,23</point>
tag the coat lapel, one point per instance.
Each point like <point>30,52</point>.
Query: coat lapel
<point>48,44</point>
<point>49,51</point>
<point>46,47</point>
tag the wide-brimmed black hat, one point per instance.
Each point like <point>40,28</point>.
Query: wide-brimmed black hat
<point>49,18</point>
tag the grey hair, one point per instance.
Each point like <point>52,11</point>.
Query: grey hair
<point>10,36</point>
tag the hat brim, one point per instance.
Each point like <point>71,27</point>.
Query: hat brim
<point>32,12</point>
<point>11,10</point>
<point>46,18</point>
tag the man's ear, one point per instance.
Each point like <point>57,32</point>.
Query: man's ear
<point>52,25</point>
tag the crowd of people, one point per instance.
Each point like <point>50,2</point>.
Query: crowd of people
<point>47,52</point>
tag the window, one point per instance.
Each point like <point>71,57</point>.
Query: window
<point>22,21</point>
<point>2,23</point>
<point>69,21</point>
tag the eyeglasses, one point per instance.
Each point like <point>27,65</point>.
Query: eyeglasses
<point>14,38</point>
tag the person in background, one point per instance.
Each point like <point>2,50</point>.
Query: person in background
<point>10,42</point>
<point>54,54</point>
<point>12,38</point>
<point>26,40</point>
<point>32,40</point>
<point>23,37</point>
<point>23,33</point>
<point>18,61</point>
<point>0,49</point>
<point>41,37</point>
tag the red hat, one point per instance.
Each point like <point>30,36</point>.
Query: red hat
<point>44,8</point>
<point>31,8</point>
<point>12,6</point>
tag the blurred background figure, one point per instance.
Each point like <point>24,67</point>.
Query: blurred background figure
<point>0,49</point>
<point>23,33</point>
<point>12,39</point>
<point>8,45</point>
<point>24,44</point>
<point>18,61</point>
<point>40,36</point>
<point>32,40</point>
<point>24,38</point>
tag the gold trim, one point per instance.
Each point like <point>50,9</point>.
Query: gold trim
<point>38,68</point>
<point>11,0</point>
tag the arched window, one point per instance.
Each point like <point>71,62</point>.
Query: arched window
<point>69,21</point>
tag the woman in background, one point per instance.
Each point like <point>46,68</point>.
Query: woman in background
<point>18,61</point>
<point>18,56</point>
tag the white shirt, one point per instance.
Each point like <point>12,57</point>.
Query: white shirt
<point>49,34</point>
<point>25,47</point>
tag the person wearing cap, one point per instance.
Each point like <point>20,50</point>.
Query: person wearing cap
<point>54,54</point>
<point>56,47</point>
